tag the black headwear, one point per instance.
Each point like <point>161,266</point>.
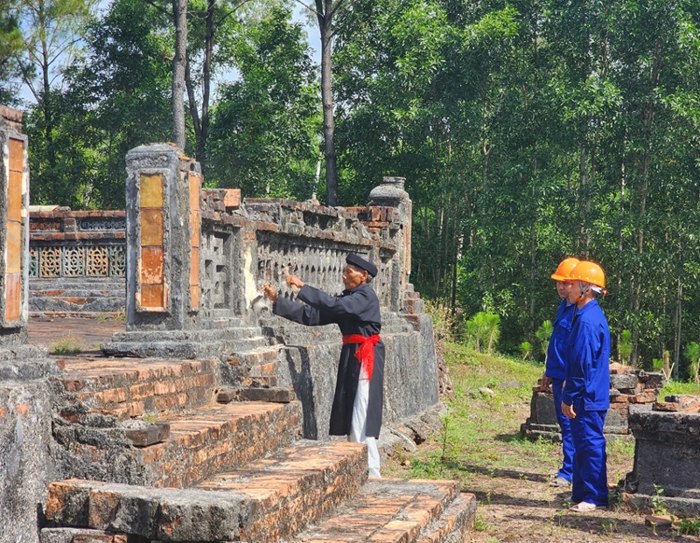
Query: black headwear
<point>357,260</point>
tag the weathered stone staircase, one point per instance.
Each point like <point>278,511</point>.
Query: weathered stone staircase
<point>150,455</point>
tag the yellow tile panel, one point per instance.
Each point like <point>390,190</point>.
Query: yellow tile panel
<point>151,227</point>
<point>14,247</point>
<point>16,149</point>
<point>151,191</point>
<point>195,227</point>
<point>195,182</point>
<point>14,196</point>
<point>13,297</point>
<point>152,265</point>
<point>152,296</point>
<point>194,267</point>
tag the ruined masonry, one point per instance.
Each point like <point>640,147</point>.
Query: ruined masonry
<point>206,420</point>
<point>631,391</point>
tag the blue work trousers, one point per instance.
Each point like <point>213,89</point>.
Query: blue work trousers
<point>567,440</point>
<point>590,480</point>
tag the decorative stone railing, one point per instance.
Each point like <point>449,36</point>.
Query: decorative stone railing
<point>65,243</point>
<point>198,256</point>
<point>77,262</point>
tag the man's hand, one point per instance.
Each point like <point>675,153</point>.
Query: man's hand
<point>294,281</point>
<point>270,292</point>
<point>568,410</point>
<point>546,381</point>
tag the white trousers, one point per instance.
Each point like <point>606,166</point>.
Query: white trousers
<point>359,425</point>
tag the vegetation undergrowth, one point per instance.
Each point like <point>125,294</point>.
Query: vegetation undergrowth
<point>480,430</point>
<point>67,346</point>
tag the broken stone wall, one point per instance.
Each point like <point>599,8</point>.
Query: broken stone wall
<point>25,400</point>
<point>77,262</point>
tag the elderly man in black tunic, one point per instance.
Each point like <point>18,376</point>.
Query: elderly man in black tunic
<point>359,390</point>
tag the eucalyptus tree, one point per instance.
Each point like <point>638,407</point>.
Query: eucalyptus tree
<point>265,126</point>
<point>51,33</point>
<point>326,13</point>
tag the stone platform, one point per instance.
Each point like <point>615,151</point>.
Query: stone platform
<point>219,472</point>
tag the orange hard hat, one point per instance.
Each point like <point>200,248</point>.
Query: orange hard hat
<point>588,272</point>
<point>564,269</point>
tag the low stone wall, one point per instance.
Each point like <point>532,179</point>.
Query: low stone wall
<point>77,262</point>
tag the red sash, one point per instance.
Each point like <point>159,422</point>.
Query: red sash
<point>365,352</point>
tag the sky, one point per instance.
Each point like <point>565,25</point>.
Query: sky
<point>299,16</point>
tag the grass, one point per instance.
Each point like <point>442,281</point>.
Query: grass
<point>674,387</point>
<point>481,431</point>
<point>67,346</point>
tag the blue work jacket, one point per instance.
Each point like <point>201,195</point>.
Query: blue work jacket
<point>587,358</point>
<point>555,367</point>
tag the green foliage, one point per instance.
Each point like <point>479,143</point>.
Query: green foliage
<point>483,331</point>
<point>543,333</point>
<point>443,321</point>
<point>525,350</point>
<point>692,352</point>
<point>657,501</point>
<point>265,129</point>
<point>67,346</point>
<point>624,347</point>
<point>672,388</point>
<point>687,527</point>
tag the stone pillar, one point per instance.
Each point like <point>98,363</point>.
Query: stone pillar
<point>391,193</point>
<point>163,236</point>
<point>14,228</point>
<point>667,456</point>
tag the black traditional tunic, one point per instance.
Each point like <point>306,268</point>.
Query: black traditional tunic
<point>355,311</point>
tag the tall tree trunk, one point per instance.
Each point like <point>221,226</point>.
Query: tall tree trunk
<point>179,66</point>
<point>200,122</point>
<point>324,14</point>
<point>648,119</point>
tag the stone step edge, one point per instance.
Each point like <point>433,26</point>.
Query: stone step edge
<point>454,524</point>
<point>120,372</point>
<point>204,513</point>
<point>402,513</point>
<point>223,430</point>
<point>272,394</point>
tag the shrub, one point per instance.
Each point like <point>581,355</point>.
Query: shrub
<point>624,347</point>
<point>543,333</point>
<point>692,351</point>
<point>483,331</point>
<point>525,350</point>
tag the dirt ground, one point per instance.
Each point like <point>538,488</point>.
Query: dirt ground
<point>519,506</point>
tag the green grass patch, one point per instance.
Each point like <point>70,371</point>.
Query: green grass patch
<point>480,432</point>
<point>67,346</point>
<point>675,387</point>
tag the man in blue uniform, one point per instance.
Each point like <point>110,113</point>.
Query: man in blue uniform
<point>586,396</point>
<point>359,391</point>
<point>555,366</point>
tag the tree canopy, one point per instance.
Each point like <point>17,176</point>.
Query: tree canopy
<point>527,131</point>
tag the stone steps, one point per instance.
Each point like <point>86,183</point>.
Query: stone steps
<point>221,472</point>
<point>131,387</point>
<point>271,499</point>
<point>399,511</point>
<point>200,444</point>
